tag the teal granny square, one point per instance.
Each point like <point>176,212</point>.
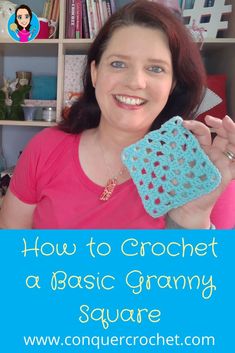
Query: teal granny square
<point>169,168</point>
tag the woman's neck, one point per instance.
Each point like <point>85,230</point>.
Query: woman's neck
<point>115,140</point>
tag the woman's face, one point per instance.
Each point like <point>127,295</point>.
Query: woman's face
<point>23,17</point>
<point>133,79</point>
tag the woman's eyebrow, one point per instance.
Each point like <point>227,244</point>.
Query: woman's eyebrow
<point>120,56</point>
<point>127,57</point>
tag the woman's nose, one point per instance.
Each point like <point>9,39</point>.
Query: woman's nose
<point>136,79</point>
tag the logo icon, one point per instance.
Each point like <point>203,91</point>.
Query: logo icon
<point>23,25</point>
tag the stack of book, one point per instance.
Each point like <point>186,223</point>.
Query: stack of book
<point>51,11</point>
<point>84,18</point>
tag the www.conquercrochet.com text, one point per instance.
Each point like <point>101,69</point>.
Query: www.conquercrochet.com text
<point>136,280</point>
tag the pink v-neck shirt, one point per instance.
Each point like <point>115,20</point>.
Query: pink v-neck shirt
<point>49,175</point>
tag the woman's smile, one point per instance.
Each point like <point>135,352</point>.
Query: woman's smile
<point>129,102</point>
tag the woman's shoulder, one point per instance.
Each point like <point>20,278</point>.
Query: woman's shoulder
<point>48,147</point>
<point>50,143</point>
<point>51,136</point>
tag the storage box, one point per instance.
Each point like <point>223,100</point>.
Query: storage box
<point>44,87</point>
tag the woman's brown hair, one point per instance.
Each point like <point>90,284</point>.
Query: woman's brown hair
<point>30,17</point>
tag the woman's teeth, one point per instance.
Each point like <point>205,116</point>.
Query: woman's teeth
<point>130,101</point>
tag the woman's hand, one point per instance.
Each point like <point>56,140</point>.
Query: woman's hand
<point>196,214</point>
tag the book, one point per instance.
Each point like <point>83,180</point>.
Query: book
<point>78,19</point>
<point>98,14</point>
<point>108,6</point>
<point>70,19</point>
<point>55,11</point>
<point>50,8</point>
<point>113,6</point>
<point>95,17</point>
<point>85,25</point>
<point>105,11</point>
<point>90,17</point>
<point>45,9</point>
<point>102,15</point>
<point>55,17</point>
<point>67,18</point>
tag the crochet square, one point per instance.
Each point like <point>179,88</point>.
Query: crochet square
<point>169,168</point>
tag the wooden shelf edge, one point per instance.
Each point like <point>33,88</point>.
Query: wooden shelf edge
<point>36,41</point>
<point>219,40</point>
<point>77,41</point>
<point>35,123</point>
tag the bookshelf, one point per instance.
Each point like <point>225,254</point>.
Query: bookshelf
<point>48,56</point>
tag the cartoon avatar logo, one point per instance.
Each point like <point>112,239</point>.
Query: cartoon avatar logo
<point>23,25</point>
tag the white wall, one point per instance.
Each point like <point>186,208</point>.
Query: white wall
<point>37,65</point>
<point>14,139</point>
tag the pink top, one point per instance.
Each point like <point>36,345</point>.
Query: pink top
<point>24,35</point>
<point>49,174</point>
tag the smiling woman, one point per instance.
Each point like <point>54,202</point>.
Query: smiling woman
<point>134,86</point>
<point>143,68</point>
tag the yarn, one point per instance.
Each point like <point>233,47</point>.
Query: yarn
<point>169,168</point>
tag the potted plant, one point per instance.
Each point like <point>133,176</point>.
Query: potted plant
<point>3,106</point>
<point>17,97</point>
<point>11,100</point>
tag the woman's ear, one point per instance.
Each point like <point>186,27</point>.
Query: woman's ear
<point>93,73</point>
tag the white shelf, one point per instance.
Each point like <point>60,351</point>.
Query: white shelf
<point>218,43</point>
<point>83,44</point>
<point>80,44</point>
<point>35,41</point>
<point>35,123</point>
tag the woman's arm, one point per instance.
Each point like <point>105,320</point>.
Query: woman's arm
<point>15,214</point>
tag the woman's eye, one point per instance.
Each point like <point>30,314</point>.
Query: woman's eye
<point>118,64</point>
<point>26,16</point>
<point>156,69</point>
<point>19,17</point>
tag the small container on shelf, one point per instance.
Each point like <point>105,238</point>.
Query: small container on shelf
<point>29,112</point>
<point>49,114</point>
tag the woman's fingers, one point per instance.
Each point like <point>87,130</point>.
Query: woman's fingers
<point>223,127</point>
<point>200,131</point>
<point>224,143</point>
<point>222,150</point>
<point>229,125</point>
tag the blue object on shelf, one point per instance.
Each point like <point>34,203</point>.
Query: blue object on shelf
<point>44,87</point>
<point>29,112</point>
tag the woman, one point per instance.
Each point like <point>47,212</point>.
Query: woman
<point>23,16</point>
<point>142,69</point>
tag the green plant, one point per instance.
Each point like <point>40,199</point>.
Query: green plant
<point>15,110</point>
<point>3,106</point>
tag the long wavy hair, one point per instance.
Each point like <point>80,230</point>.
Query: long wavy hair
<point>188,68</point>
<point>30,15</point>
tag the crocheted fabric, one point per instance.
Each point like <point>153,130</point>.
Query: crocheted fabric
<point>169,168</point>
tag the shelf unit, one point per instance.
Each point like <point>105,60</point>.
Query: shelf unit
<point>36,123</point>
<point>219,58</point>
